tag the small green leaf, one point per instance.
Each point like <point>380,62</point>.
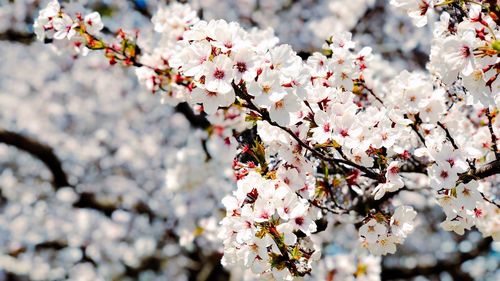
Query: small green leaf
<point>296,253</point>
<point>496,46</point>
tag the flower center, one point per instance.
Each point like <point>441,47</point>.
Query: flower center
<point>279,104</point>
<point>357,159</point>
<point>326,127</point>
<point>219,74</point>
<point>241,66</point>
<point>299,220</point>
<point>477,75</point>
<point>394,170</point>
<point>465,51</point>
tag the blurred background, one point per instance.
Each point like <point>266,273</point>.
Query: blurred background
<point>100,181</point>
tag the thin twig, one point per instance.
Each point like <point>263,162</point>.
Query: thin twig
<point>489,200</point>
<point>492,133</point>
<point>448,135</point>
<point>374,95</point>
<point>420,137</point>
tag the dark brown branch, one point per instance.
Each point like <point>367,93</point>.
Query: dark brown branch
<point>40,151</point>
<point>487,170</point>
<point>489,200</point>
<point>45,154</point>
<point>448,135</point>
<point>196,121</point>
<point>373,94</point>
<point>482,172</point>
<point>15,36</point>
<point>415,129</point>
<point>321,207</point>
<point>492,133</point>
<point>88,200</point>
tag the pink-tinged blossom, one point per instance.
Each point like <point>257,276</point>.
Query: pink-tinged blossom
<point>443,175</point>
<point>212,100</point>
<point>219,74</point>
<point>266,88</point>
<point>64,27</point>
<point>93,23</point>
<point>402,221</point>
<point>418,10</point>
<point>297,144</point>
<point>459,52</point>
<point>372,230</point>
<point>44,21</point>
<point>393,181</point>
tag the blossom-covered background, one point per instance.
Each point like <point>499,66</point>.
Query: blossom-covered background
<point>101,181</point>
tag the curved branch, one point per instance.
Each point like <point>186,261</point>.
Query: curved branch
<point>196,120</point>
<point>489,169</point>
<point>40,151</point>
<point>482,172</point>
<point>45,154</point>
<point>448,135</point>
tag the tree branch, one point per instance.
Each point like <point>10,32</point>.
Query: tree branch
<point>45,154</point>
<point>196,121</point>
<point>482,172</point>
<point>448,135</point>
<point>40,151</point>
<point>143,10</point>
<point>492,133</point>
<point>487,170</point>
<point>15,36</point>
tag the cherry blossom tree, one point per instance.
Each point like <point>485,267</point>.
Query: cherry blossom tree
<point>328,164</point>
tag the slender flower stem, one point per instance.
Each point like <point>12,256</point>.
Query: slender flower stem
<point>448,135</point>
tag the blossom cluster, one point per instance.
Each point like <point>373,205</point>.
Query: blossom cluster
<point>380,235</point>
<point>259,231</point>
<point>464,207</point>
<point>330,135</point>
<point>51,23</point>
<point>464,56</point>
